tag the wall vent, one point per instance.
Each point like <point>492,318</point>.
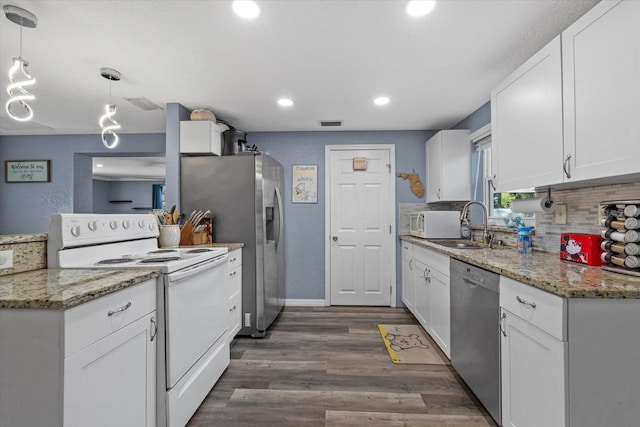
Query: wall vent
<point>330,123</point>
<point>144,104</point>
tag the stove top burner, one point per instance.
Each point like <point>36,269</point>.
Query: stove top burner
<point>198,251</point>
<point>162,251</point>
<point>115,261</point>
<point>157,260</point>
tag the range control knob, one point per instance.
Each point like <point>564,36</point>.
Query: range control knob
<point>151,226</point>
<point>93,225</point>
<point>141,223</point>
<point>125,224</point>
<point>75,230</point>
<point>113,224</point>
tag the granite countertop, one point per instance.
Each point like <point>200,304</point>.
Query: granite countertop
<point>230,246</point>
<point>545,271</point>
<point>59,289</point>
<point>10,239</point>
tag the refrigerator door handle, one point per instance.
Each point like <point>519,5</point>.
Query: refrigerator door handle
<point>280,216</point>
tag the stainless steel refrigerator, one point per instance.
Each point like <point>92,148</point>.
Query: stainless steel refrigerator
<point>244,194</point>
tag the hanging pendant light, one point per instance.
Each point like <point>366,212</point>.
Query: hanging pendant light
<point>18,94</point>
<point>107,123</point>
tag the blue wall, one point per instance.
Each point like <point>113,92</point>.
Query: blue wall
<point>26,208</point>
<point>305,235</point>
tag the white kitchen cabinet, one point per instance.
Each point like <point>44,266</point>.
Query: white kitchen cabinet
<point>234,267</point>
<point>408,284</point>
<point>421,283</point>
<point>568,117</point>
<point>448,166</point>
<point>533,356</point>
<point>81,366</point>
<point>526,118</point>
<point>600,66</point>
<point>113,381</point>
<point>432,306</point>
<point>201,137</point>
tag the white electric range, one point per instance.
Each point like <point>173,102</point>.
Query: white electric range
<point>192,296</point>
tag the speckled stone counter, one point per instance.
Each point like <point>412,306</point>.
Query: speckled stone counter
<point>230,246</point>
<point>61,289</point>
<point>29,252</point>
<point>545,271</point>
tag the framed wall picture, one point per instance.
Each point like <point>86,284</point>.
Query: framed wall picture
<point>305,184</point>
<point>24,171</point>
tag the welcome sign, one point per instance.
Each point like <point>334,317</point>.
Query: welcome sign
<point>21,171</point>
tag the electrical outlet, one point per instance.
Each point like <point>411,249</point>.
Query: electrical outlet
<point>6,259</point>
<point>561,214</point>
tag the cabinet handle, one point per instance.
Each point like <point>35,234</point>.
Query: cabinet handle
<point>410,264</point>
<point>566,166</point>
<point>154,328</point>
<point>438,193</point>
<point>504,316</point>
<point>232,309</point>
<point>525,302</point>
<point>426,275</point>
<point>119,310</point>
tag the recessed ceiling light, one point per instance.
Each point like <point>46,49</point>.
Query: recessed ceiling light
<point>285,102</point>
<point>99,165</point>
<point>246,9</point>
<point>381,100</point>
<point>418,8</point>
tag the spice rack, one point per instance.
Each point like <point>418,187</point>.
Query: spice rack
<point>621,234</point>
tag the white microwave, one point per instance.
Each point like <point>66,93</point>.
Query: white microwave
<point>434,224</point>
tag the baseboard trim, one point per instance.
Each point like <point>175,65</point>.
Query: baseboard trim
<point>304,302</point>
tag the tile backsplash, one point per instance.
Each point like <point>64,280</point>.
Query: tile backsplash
<point>582,212</point>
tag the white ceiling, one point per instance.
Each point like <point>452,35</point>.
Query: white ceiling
<point>331,57</point>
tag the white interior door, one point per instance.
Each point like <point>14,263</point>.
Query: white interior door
<point>360,226</point>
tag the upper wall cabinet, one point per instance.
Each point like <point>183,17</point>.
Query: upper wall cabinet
<point>526,115</point>
<point>569,115</point>
<point>448,166</point>
<point>601,76</point>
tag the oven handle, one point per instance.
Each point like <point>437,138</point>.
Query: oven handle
<point>196,269</point>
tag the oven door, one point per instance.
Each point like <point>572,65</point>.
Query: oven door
<point>196,300</point>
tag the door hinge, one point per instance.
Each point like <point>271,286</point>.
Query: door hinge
<point>390,229</point>
<point>389,167</point>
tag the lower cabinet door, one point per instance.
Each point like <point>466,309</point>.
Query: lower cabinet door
<point>440,311</point>
<point>112,382</point>
<point>421,284</point>
<point>408,287</point>
<point>533,375</point>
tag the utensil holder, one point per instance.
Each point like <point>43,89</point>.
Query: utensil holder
<point>169,236</point>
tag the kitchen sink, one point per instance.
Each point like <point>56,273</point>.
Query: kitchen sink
<point>457,243</point>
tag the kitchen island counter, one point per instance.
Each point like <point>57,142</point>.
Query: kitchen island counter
<point>59,289</point>
<point>544,270</point>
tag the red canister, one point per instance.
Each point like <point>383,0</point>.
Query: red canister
<point>582,248</point>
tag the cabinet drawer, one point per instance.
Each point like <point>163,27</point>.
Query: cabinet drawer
<point>433,259</point>
<point>407,250</point>
<point>540,308</point>
<point>236,273</point>
<point>91,322</point>
<point>235,259</point>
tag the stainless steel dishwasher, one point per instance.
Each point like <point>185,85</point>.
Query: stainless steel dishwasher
<point>475,333</point>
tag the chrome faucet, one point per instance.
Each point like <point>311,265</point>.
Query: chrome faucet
<point>486,237</point>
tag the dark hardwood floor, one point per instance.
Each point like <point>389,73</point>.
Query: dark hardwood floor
<point>327,366</point>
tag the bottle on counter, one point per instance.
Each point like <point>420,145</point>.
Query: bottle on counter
<point>620,248</point>
<point>632,211</point>
<point>632,223</point>
<point>628,261</point>
<point>630,236</point>
<point>613,222</point>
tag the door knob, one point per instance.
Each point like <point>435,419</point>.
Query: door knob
<point>334,238</point>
